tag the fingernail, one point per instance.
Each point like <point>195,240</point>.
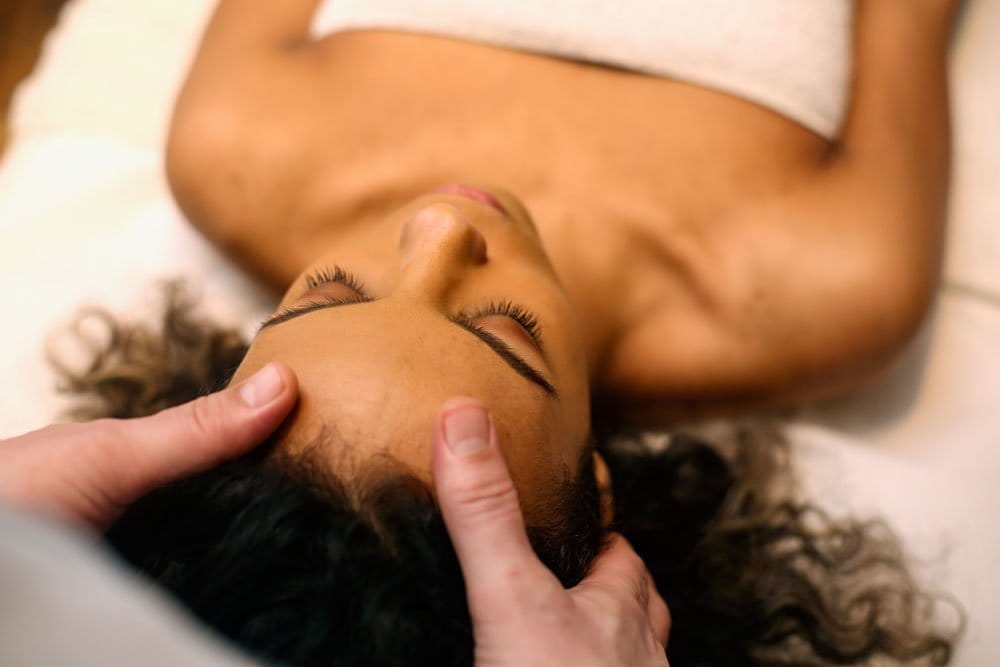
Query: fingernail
<point>467,430</point>
<point>263,387</point>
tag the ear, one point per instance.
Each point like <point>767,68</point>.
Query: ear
<point>603,477</point>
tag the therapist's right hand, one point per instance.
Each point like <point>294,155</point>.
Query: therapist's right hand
<point>521,614</point>
<point>90,472</point>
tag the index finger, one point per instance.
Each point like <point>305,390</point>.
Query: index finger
<point>620,571</point>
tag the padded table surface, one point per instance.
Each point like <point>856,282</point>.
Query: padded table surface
<point>86,217</point>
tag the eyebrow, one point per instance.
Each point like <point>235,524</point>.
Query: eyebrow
<point>495,343</point>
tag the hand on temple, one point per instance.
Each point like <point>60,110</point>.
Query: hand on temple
<point>521,614</point>
<point>90,472</point>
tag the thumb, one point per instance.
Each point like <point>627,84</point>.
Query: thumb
<point>181,441</point>
<point>482,513</point>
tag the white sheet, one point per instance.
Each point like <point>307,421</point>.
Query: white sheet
<point>85,216</point>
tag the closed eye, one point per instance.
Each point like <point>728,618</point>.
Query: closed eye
<point>497,344</point>
<point>340,276</point>
<point>519,314</point>
<point>323,276</point>
<point>335,274</point>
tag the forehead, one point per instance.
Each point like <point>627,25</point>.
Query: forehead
<point>374,377</point>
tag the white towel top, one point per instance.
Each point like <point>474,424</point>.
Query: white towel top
<point>792,56</point>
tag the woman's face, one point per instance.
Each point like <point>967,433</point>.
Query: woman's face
<point>450,295</point>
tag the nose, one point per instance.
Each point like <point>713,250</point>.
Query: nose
<point>436,246</point>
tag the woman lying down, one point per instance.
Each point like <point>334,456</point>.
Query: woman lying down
<point>687,253</point>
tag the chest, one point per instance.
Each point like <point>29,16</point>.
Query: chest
<point>362,122</point>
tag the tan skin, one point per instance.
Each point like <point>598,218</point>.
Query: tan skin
<point>377,371</point>
<point>704,254</point>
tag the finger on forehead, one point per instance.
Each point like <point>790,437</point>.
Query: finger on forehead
<point>483,516</point>
<point>192,437</point>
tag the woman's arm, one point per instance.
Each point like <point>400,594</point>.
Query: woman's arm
<point>813,291</point>
<point>254,25</point>
<point>894,154</point>
<point>236,118</point>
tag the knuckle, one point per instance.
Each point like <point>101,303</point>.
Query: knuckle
<point>627,559</point>
<point>621,600</point>
<point>203,416</point>
<point>102,440</point>
<point>515,582</point>
<point>105,428</point>
<point>601,609</point>
<point>488,498</point>
<point>635,564</point>
<point>81,434</point>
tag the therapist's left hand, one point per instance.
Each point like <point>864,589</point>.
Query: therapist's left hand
<point>90,472</point>
<point>521,614</point>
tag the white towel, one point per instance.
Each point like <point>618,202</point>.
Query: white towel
<point>789,55</point>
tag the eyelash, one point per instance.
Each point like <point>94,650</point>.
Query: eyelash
<point>335,274</point>
<point>520,314</point>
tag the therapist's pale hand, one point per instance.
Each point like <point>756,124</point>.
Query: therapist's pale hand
<point>91,471</point>
<point>521,614</point>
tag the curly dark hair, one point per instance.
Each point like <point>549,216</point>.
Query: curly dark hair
<point>302,568</point>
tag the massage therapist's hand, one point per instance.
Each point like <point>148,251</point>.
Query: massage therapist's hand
<point>91,471</point>
<point>521,614</point>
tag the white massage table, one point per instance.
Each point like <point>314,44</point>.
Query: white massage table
<point>85,217</point>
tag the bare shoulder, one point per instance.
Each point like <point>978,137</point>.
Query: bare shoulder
<point>798,296</point>
<point>813,289</point>
<point>237,153</point>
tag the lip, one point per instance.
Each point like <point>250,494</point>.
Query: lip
<point>474,193</point>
